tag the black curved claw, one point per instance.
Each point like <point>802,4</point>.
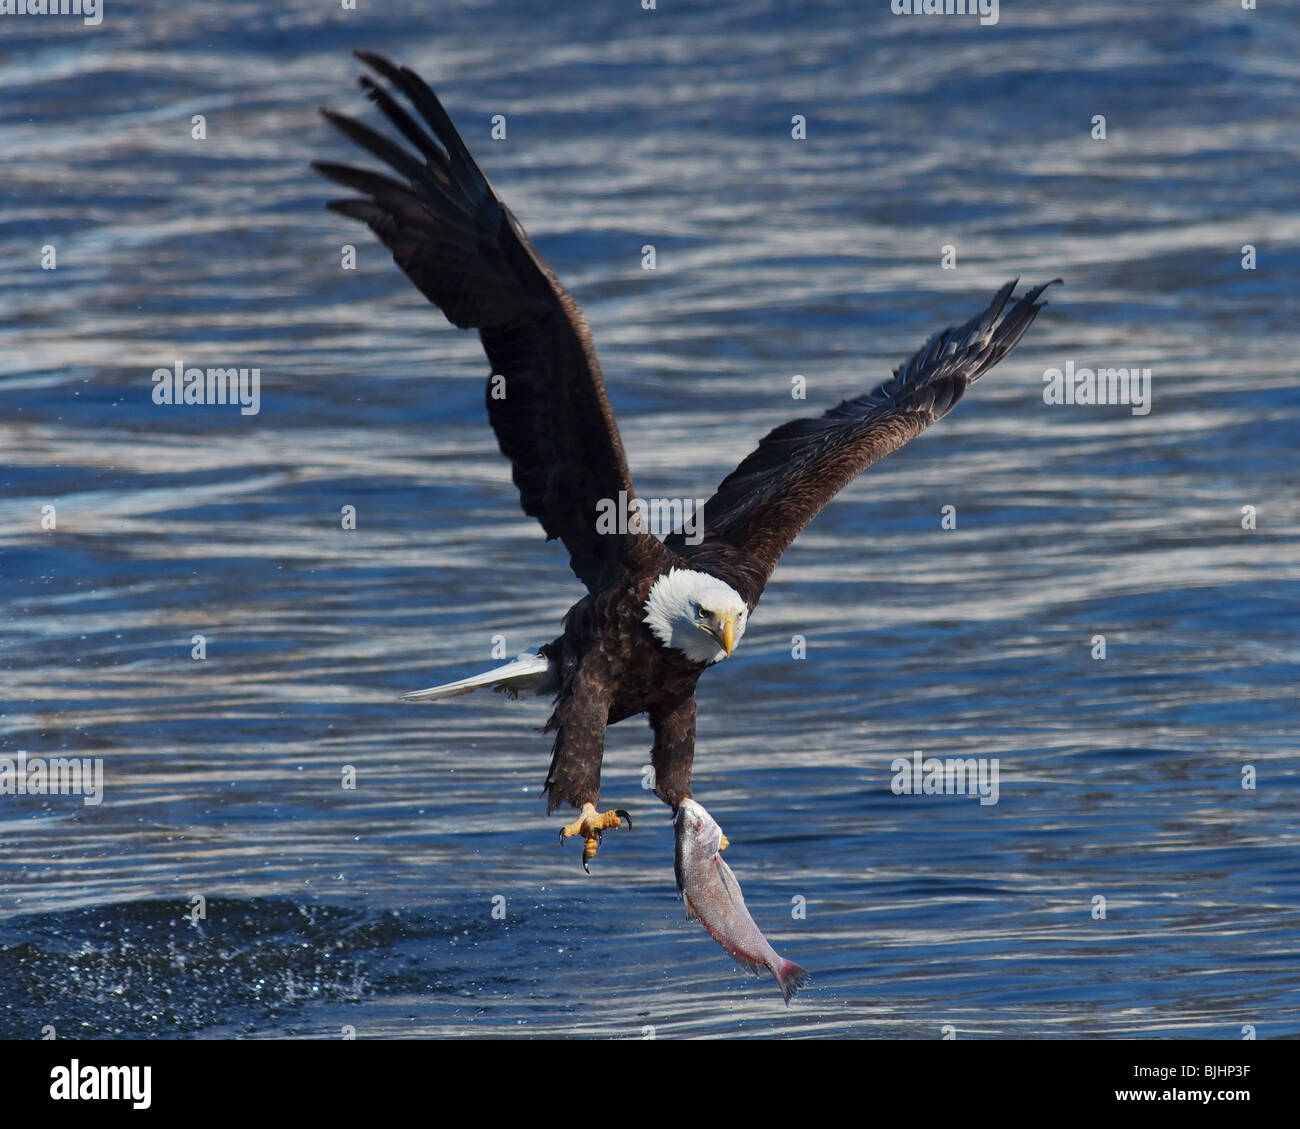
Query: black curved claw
<point>584,864</point>
<point>623,815</point>
<point>561,836</point>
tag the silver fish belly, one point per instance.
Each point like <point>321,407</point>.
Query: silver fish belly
<point>713,895</point>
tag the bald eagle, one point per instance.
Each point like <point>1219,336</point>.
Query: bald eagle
<point>657,613</point>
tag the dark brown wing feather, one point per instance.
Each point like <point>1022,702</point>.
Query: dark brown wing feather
<point>460,245</point>
<point>761,506</point>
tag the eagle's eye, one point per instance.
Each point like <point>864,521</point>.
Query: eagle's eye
<point>699,611</point>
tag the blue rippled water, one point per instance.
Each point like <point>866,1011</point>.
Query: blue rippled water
<point>1120,778</point>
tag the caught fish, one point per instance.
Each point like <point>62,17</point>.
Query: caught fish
<point>712,894</point>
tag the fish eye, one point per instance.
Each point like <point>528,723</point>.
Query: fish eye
<point>699,825</point>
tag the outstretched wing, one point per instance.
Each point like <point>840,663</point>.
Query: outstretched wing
<point>761,506</point>
<point>464,250</point>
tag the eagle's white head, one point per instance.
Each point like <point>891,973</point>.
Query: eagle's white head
<point>696,613</point>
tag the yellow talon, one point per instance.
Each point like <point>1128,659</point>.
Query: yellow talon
<point>590,824</point>
<point>722,846</point>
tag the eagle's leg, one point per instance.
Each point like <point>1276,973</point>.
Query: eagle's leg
<point>579,723</point>
<point>674,751</point>
<point>674,754</point>
<point>590,824</point>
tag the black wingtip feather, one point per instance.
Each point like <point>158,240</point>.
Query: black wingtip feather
<point>761,506</point>
<point>463,250</point>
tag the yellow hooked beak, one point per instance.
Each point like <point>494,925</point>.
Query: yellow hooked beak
<point>723,629</point>
<point>728,638</point>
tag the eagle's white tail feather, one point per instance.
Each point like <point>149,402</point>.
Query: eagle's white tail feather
<point>525,672</point>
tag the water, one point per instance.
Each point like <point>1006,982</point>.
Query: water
<point>373,907</point>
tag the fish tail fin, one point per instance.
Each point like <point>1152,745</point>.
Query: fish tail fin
<point>791,977</point>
